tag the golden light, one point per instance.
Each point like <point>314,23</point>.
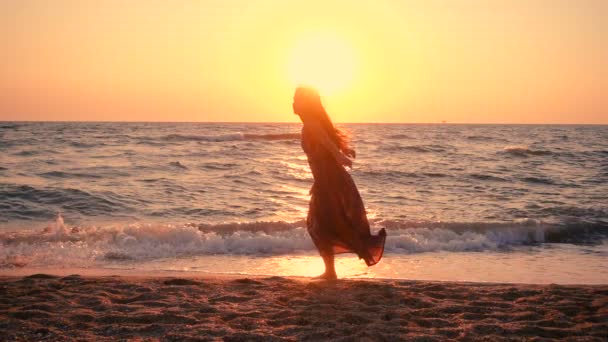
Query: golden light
<point>312,265</point>
<point>324,61</point>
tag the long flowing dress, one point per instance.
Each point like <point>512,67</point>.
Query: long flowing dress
<point>337,221</point>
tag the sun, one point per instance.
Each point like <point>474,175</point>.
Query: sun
<point>324,61</point>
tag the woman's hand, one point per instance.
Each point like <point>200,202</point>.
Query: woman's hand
<point>350,153</point>
<point>343,160</point>
<point>339,156</point>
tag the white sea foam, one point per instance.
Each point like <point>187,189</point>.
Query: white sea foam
<point>416,240</point>
<point>62,245</point>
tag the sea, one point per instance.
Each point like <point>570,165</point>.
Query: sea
<point>459,202</point>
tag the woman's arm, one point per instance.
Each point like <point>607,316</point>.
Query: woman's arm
<point>329,145</point>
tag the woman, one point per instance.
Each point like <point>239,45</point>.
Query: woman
<point>336,221</point>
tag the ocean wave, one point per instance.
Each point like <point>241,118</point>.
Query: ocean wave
<point>538,180</point>
<point>218,166</point>
<point>589,214</point>
<point>231,137</point>
<point>480,138</point>
<point>524,151</point>
<point>399,136</point>
<point>387,174</point>
<point>29,153</point>
<point>60,244</point>
<point>522,232</point>
<point>178,165</point>
<point>412,148</point>
<point>281,136</point>
<point>435,174</point>
<point>486,177</point>
<point>81,144</point>
<point>18,142</point>
<point>400,175</point>
<point>27,202</point>
<point>210,138</point>
<point>68,175</point>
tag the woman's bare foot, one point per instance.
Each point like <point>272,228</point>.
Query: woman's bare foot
<point>330,269</point>
<point>327,276</point>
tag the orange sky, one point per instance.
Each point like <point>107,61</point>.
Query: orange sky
<point>479,61</point>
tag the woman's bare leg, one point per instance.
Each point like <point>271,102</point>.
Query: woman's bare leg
<point>330,269</point>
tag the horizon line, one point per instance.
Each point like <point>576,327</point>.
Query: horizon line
<point>297,122</point>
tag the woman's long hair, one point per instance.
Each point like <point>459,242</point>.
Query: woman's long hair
<point>310,99</point>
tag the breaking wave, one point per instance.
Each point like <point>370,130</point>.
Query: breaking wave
<point>63,245</point>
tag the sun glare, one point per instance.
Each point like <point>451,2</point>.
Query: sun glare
<point>323,61</point>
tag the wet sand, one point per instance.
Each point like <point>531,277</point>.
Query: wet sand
<point>146,308</point>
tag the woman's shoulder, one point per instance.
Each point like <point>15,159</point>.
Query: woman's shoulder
<point>307,133</point>
<point>312,130</point>
<point>311,126</point>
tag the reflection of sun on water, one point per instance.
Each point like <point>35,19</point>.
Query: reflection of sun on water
<point>323,61</point>
<point>299,171</point>
<point>310,266</point>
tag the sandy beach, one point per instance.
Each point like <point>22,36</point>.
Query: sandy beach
<point>74,307</point>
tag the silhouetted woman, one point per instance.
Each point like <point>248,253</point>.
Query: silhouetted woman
<point>336,220</point>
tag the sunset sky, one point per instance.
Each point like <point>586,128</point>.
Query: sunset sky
<point>468,61</point>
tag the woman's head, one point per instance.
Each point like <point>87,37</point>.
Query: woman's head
<point>307,101</point>
<point>307,104</point>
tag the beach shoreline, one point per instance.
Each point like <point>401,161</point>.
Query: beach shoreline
<point>178,306</point>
